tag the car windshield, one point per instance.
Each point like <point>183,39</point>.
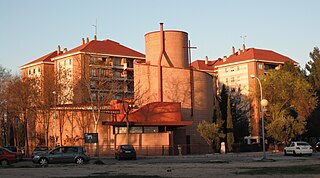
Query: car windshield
<point>127,147</point>
<point>8,150</point>
<point>41,149</point>
<point>302,144</point>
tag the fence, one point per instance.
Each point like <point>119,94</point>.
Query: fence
<point>164,150</point>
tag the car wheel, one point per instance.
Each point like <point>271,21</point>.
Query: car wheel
<point>4,163</point>
<point>310,154</point>
<point>79,160</point>
<point>285,153</point>
<point>43,162</point>
<point>294,153</point>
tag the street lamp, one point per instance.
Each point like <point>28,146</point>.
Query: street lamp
<point>263,104</point>
<point>54,116</point>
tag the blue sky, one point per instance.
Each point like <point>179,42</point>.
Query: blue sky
<point>33,28</point>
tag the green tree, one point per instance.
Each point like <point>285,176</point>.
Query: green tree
<point>313,68</point>
<point>240,108</point>
<point>291,100</point>
<point>230,137</point>
<point>211,132</point>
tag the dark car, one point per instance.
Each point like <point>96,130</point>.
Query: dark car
<point>317,147</point>
<point>63,154</point>
<point>125,152</point>
<point>19,153</point>
<point>39,150</point>
<point>7,157</point>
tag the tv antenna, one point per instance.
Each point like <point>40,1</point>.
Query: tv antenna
<point>96,28</point>
<point>244,39</point>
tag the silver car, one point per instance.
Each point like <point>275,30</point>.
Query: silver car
<point>63,154</point>
<point>298,148</point>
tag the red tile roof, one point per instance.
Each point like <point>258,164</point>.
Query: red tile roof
<point>105,47</point>
<point>46,58</point>
<point>248,54</point>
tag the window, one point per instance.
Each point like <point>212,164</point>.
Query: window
<point>260,66</point>
<point>70,62</point>
<point>38,69</point>
<point>93,72</point>
<point>238,68</point>
<point>29,71</point>
<point>226,80</point>
<point>226,69</point>
<point>91,60</point>
<point>135,129</point>
<point>150,130</point>
<point>232,69</point>
<point>232,79</point>
<point>34,70</point>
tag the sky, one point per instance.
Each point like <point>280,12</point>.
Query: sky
<point>31,29</point>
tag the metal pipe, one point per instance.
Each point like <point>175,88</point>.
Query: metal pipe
<point>162,47</point>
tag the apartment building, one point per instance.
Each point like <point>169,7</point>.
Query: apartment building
<point>72,79</point>
<point>234,71</point>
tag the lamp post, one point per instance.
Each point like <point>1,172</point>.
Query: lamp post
<point>54,116</point>
<point>263,104</point>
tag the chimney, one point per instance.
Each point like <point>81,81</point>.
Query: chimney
<point>65,50</point>
<point>233,50</point>
<point>95,37</point>
<point>206,60</point>
<point>239,51</point>
<point>87,40</point>
<point>59,50</point>
<point>224,58</point>
<point>83,42</point>
<point>243,48</point>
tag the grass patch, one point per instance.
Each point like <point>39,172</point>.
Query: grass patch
<point>289,170</point>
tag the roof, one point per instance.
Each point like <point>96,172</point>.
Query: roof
<point>105,47</point>
<point>248,54</point>
<point>46,58</point>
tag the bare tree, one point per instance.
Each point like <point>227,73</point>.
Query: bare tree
<point>5,77</point>
<point>23,95</point>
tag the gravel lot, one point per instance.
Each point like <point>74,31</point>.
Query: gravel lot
<point>217,165</point>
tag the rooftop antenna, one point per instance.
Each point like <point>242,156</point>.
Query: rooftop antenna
<point>244,39</point>
<point>96,28</point>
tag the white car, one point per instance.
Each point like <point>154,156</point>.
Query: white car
<point>298,147</point>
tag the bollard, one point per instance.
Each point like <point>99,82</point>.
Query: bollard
<point>180,150</point>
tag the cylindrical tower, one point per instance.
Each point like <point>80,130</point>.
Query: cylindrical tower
<point>175,52</point>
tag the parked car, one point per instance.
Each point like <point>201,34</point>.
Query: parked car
<point>39,150</point>
<point>16,151</point>
<point>317,147</point>
<point>7,157</point>
<point>63,154</point>
<point>298,147</point>
<point>125,152</point>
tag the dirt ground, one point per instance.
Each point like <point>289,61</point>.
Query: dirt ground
<point>228,165</point>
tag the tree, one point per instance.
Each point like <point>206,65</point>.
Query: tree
<point>240,108</point>
<point>230,138</point>
<point>291,100</point>
<point>313,67</point>
<point>211,132</point>
<point>5,77</point>
<point>23,96</point>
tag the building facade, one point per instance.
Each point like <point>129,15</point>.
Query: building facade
<point>235,71</point>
